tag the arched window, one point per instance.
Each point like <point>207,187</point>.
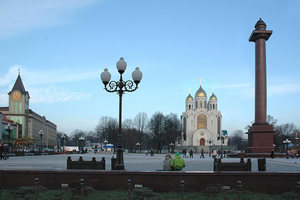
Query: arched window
<point>213,106</point>
<point>202,142</point>
<point>200,104</point>
<point>210,106</point>
<point>189,107</point>
<point>219,125</point>
<point>204,104</point>
<point>201,121</point>
<point>196,104</point>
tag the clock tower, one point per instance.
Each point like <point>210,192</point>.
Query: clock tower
<point>19,105</point>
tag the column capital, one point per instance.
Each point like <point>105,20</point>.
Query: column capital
<point>260,34</point>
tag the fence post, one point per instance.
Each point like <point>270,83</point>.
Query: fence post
<point>239,189</point>
<point>103,163</point>
<point>182,188</point>
<point>36,188</point>
<point>69,161</point>
<point>82,189</point>
<point>129,189</point>
<point>298,187</point>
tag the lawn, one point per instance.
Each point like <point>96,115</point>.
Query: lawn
<point>137,194</point>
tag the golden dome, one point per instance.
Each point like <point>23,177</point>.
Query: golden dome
<point>189,98</point>
<point>212,97</point>
<point>200,92</point>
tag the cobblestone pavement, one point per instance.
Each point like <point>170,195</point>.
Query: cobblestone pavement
<point>138,162</point>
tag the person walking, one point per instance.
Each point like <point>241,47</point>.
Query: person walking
<point>202,154</point>
<point>191,153</point>
<point>167,162</point>
<point>1,151</point>
<point>214,154</point>
<point>184,153</point>
<point>177,163</point>
<point>187,154</point>
<point>272,154</point>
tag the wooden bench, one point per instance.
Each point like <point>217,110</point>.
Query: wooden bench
<point>81,164</point>
<point>232,166</point>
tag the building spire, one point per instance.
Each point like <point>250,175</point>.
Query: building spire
<point>19,71</point>
<point>189,90</point>
<point>200,81</point>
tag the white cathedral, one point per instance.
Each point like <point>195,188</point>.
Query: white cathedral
<point>202,122</point>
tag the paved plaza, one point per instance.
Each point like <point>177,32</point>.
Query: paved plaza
<point>138,162</point>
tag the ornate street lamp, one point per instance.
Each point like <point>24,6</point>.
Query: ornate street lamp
<point>210,141</point>
<point>171,147</point>
<point>286,141</point>
<point>138,146</point>
<point>63,141</point>
<point>81,145</point>
<point>222,142</point>
<point>121,87</point>
<point>9,129</point>
<point>41,133</point>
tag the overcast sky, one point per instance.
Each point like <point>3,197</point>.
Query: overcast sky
<point>61,48</point>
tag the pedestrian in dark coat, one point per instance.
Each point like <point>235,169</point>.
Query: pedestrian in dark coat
<point>191,153</point>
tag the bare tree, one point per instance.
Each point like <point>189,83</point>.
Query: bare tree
<point>172,129</point>
<point>140,122</point>
<point>127,124</point>
<point>157,129</point>
<point>237,140</point>
<point>107,129</point>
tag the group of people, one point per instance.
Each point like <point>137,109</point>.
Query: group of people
<point>3,151</point>
<point>173,164</point>
<point>187,154</point>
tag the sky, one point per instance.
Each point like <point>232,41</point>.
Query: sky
<point>61,48</point>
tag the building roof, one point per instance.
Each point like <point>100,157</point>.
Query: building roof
<point>189,98</point>
<point>19,86</point>
<point>4,109</point>
<point>213,97</point>
<point>200,92</point>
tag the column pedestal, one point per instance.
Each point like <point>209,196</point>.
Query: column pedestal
<point>260,138</point>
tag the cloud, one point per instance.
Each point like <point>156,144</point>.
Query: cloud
<point>274,90</point>
<point>3,99</point>
<point>18,16</point>
<point>10,76</point>
<point>49,93</point>
<point>233,86</point>
<point>34,77</point>
<point>283,89</point>
<point>53,94</point>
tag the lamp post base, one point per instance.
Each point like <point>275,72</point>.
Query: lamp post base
<point>120,160</point>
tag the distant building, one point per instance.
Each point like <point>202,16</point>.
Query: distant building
<point>202,122</point>
<point>28,122</point>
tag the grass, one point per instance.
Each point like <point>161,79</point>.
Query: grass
<point>138,194</point>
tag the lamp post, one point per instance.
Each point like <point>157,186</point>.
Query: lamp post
<point>9,128</point>
<point>286,141</point>
<point>41,133</point>
<point>296,140</point>
<point>138,146</point>
<point>222,141</point>
<point>121,87</point>
<point>171,146</point>
<point>63,141</point>
<point>81,141</point>
<point>209,141</point>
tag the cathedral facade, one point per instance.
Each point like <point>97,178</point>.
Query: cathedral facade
<point>202,121</point>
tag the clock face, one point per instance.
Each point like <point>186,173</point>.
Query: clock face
<point>16,95</point>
